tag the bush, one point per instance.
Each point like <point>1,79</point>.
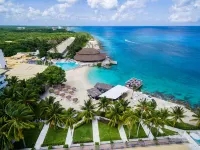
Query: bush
<point>111,142</point>
<point>51,90</point>
<point>99,65</point>
<point>50,147</point>
<point>96,143</point>
<point>66,146</point>
<point>81,144</point>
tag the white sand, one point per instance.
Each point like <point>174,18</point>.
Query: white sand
<point>76,78</point>
<point>26,71</point>
<point>134,98</point>
<point>79,78</point>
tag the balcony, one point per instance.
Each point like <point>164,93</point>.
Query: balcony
<point>3,85</point>
<point>2,78</point>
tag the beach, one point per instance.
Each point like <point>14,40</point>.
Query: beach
<point>78,78</point>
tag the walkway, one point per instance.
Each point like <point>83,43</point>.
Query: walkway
<point>122,134</point>
<point>42,136</point>
<point>147,131</point>
<point>95,129</point>
<point>69,138</point>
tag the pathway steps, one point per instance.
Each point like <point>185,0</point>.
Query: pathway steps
<point>122,134</point>
<point>41,137</point>
<point>95,129</point>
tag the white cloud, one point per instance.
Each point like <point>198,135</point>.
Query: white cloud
<point>107,4</point>
<point>127,10</point>
<point>68,1</point>
<point>185,11</point>
<point>2,1</point>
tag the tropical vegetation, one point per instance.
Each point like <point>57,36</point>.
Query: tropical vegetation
<point>30,39</point>
<point>21,110</point>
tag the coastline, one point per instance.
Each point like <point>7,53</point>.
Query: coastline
<point>78,78</point>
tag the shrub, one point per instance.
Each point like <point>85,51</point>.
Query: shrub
<point>81,144</point>
<point>66,146</point>
<point>111,142</point>
<point>96,143</point>
<point>50,147</point>
<point>99,65</point>
<point>33,148</point>
<point>51,90</point>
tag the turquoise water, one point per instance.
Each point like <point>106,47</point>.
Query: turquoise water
<point>167,59</point>
<point>67,65</point>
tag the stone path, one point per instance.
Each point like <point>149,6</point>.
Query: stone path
<point>95,129</point>
<point>122,134</point>
<point>69,138</point>
<point>147,131</point>
<point>42,136</point>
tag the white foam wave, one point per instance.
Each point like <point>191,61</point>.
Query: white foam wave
<point>130,41</point>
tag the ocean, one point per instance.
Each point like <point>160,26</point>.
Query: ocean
<point>167,59</point>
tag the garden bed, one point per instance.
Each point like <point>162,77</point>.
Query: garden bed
<point>108,133</point>
<point>133,133</point>
<point>55,137</point>
<point>83,133</point>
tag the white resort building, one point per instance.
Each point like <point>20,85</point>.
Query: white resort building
<point>2,60</point>
<point>3,83</point>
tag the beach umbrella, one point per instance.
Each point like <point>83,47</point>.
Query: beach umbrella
<point>62,94</point>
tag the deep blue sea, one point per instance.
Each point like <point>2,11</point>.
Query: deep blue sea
<point>167,59</point>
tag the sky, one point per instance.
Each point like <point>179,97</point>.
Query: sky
<point>100,12</point>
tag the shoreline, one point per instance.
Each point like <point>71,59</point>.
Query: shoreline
<point>78,78</point>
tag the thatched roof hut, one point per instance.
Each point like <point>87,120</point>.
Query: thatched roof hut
<point>89,55</point>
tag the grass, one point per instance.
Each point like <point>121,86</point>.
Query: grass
<point>185,126</point>
<point>83,133</point>
<point>30,136</point>
<point>133,133</point>
<point>108,133</point>
<point>166,132</point>
<point>55,137</point>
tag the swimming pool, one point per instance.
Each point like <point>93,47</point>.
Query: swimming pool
<point>67,65</point>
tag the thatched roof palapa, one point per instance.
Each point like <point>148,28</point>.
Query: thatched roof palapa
<point>89,55</point>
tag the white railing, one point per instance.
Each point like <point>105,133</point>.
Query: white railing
<point>3,85</point>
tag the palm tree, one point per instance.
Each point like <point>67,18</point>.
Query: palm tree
<point>155,119</point>
<point>144,108</point>
<point>70,118</point>
<point>196,117</point>
<point>165,114</point>
<point>130,119</point>
<point>27,96</point>
<point>20,118</point>
<point>115,115</point>
<point>103,104</point>
<point>12,81</point>
<point>88,111</point>
<point>9,93</point>
<point>177,114</point>
<point>5,142</point>
<point>54,115</point>
<point>124,104</point>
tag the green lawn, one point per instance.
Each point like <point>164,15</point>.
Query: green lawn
<point>30,136</point>
<point>166,132</point>
<point>133,134</point>
<point>108,133</point>
<point>83,133</point>
<point>185,126</point>
<point>55,137</point>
